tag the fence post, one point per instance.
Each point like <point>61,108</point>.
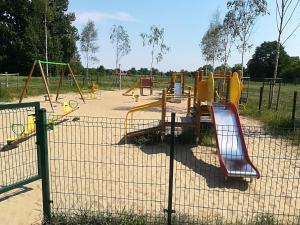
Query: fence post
<point>42,143</point>
<point>278,96</point>
<point>171,170</point>
<point>260,97</point>
<point>294,110</point>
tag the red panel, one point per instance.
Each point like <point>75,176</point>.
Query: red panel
<point>146,82</point>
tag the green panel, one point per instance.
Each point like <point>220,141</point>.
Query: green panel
<point>20,105</point>
<point>19,184</point>
<point>52,63</point>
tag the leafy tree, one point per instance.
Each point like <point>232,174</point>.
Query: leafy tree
<point>132,71</point>
<point>262,63</point>
<point>285,10</point>
<point>22,35</point>
<point>291,72</point>
<point>207,68</point>
<point>211,41</point>
<point>226,39</point>
<point>88,44</point>
<point>245,13</point>
<point>155,40</point>
<point>120,39</point>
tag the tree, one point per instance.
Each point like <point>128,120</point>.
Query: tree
<point>22,37</point>
<point>211,41</point>
<point>291,72</point>
<point>88,44</point>
<point>245,13</point>
<point>226,39</point>
<point>284,13</point>
<point>262,63</point>
<point>120,39</point>
<point>155,40</point>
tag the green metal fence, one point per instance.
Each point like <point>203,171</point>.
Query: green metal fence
<point>172,181</point>
<point>23,148</point>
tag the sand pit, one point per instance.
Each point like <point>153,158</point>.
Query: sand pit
<point>90,169</point>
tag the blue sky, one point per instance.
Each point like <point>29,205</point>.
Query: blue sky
<point>185,22</point>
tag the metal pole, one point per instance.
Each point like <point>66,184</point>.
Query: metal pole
<point>42,143</point>
<point>294,110</point>
<point>46,43</point>
<point>171,170</point>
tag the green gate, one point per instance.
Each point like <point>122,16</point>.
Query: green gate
<point>23,149</point>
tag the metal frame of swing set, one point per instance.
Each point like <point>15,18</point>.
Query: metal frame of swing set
<point>39,62</point>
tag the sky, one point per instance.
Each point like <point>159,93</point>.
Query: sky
<point>185,22</point>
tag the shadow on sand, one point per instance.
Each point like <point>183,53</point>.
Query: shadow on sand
<point>212,174</point>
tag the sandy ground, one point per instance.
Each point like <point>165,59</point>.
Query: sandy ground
<point>90,169</point>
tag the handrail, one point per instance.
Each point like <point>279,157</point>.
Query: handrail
<point>139,108</point>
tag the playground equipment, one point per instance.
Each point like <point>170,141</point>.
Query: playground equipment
<point>177,84</point>
<point>141,83</point>
<point>39,63</point>
<point>93,88</point>
<point>22,133</point>
<point>231,147</point>
<point>232,151</point>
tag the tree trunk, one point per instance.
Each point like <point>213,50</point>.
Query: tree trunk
<point>152,54</point>
<point>242,70</point>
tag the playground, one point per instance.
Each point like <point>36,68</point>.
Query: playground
<point>92,167</point>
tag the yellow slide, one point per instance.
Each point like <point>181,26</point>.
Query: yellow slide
<point>136,84</point>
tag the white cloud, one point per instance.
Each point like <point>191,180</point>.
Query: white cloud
<point>98,16</point>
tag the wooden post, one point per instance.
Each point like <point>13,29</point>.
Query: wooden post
<point>163,113</point>
<point>261,92</point>
<point>182,82</point>
<point>294,110</point>
<point>189,101</point>
<point>46,85</point>
<point>278,96</point>
<point>75,81</point>
<point>27,82</point>
<point>198,111</point>
<point>196,88</point>
<point>228,89</point>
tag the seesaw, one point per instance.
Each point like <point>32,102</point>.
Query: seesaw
<point>22,133</point>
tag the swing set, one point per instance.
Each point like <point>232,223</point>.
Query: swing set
<point>38,63</point>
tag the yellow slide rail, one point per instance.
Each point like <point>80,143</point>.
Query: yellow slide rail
<point>140,108</point>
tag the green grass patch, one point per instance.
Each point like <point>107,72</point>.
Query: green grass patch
<point>127,218</point>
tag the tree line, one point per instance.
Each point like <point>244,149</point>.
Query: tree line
<point>22,38</point>
<point>235,30</point>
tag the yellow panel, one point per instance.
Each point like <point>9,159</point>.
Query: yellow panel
<point>67,107</point>
<point>31,123</point>
<point>235,89</point>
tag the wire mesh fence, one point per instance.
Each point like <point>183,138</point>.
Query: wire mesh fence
<point>18,150</point>
<point>93,169</point>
